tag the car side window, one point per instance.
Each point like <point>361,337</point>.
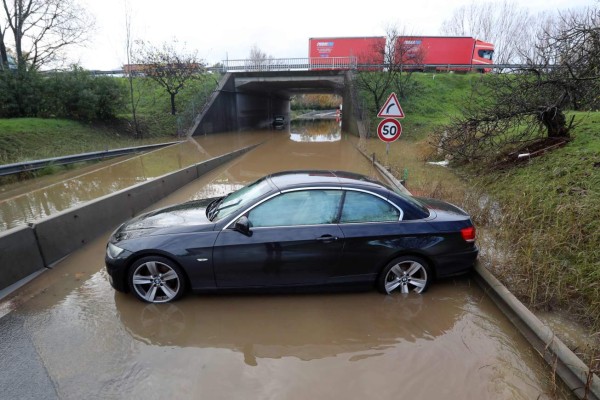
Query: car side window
<point>364,207</point>
<point>306,207</point>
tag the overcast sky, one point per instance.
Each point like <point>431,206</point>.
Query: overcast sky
<point>228,29</point>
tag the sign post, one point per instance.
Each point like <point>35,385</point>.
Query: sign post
<point>389,129</point>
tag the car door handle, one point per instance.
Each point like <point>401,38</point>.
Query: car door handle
<point>327,239</point>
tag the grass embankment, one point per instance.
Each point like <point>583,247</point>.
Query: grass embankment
<point>551,221</point>
<point>437,99</point>
<point>540,219</point>
<point>23,139</point>
<point>153,104</point>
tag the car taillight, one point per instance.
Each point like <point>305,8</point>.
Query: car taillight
<point>468,233</point>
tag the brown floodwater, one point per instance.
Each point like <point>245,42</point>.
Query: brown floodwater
<point>38,198</point>
<point>450,342</point>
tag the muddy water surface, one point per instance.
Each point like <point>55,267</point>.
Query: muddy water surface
<point>87,341</point>
<point>42,197</point>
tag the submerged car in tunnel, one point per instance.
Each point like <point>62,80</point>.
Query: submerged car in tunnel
<point>279,122</point>
<point>295,229</point>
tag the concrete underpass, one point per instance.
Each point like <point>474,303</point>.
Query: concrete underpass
<point>250,100</point>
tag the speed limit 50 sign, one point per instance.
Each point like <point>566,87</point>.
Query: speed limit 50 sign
<point>389,130</point>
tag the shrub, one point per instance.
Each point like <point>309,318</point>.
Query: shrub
<point>77,94</point>
<point>19,93</point>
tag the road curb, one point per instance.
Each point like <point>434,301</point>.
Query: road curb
<point>383,171</point>
<point>569,367</point>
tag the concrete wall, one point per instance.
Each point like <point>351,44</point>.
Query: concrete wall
<point>349,107</point>
<point>221,114</point>
<point>19,255</point>
<point>62,233</point>
<point>28,249</point>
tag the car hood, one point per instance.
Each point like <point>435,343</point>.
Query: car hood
<point>181,218</point>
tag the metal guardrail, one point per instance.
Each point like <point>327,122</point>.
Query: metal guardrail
<point>10,169</point>
<point>350,63</point>
<point>340,63</point>
<point>288,64</point>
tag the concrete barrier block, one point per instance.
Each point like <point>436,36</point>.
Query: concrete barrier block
<point>179,179</point>
<point>19,255</point>
<point>143,195</point>
<point>65,232</point>
<point>208,165</point>
<point>62,233</point>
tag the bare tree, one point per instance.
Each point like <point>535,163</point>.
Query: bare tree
<point>574,45</point>
<point>134,100</point>
<point>258,59</point>
<point>169,66</point>
<point>505,24</point>
<point>3,52</point>
<point>41,29</point>
<point>405,55</point>
<point>528,107</point>
<point>401,55</point>
<point>535,36</point>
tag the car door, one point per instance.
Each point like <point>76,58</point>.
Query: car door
<point>293,240</point>
<point>372,234</point>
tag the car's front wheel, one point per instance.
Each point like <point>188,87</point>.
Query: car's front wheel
<point>404,274</point>
<point>156,279</point>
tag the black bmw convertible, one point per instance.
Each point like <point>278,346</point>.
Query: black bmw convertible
<point>296,229</point>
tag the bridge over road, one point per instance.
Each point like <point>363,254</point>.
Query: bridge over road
<point>250,100</point>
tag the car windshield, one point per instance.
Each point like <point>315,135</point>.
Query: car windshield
<point>238,199</point>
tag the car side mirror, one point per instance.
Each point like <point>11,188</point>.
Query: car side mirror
<point>242,225</point>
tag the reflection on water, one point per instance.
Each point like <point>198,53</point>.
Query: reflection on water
<point>450,343</point>
<point>282,153</point>
<point>320,131</point>
<point>307,326</point>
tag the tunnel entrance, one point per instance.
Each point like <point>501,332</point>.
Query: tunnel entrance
<point>251,100</point>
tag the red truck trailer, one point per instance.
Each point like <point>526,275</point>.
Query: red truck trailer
<point>428,50</point>
<point>365,49</point>
<point>447,50</point>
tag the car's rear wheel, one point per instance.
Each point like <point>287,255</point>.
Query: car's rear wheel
<point>405,274</point>
<point>156,279</point>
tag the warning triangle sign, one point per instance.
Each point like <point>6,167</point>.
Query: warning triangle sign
<point>391,108</point>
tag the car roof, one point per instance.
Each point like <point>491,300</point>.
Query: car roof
<point>303,178</point>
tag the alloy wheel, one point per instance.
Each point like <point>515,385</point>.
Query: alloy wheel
<point>156,282</point>
<point>406,276</point>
